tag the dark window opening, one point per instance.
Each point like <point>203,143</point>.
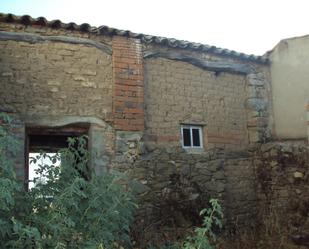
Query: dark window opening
<point>196,137</point>
<point>186,137</point>
<point>50,140</point>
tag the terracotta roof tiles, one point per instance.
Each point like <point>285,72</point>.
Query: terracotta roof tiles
<point>105,30</point>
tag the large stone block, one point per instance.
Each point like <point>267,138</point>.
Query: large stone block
<point>256,104</point>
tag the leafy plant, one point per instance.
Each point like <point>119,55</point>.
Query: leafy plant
<point>8,183</point>
<point>72,208</point>
<point>204,234</point>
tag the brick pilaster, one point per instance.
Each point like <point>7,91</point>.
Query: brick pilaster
<point>128,92</point>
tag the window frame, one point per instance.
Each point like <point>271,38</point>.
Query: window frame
<point>191,127</point>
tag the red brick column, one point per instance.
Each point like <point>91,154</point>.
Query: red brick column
<point>128,92</point>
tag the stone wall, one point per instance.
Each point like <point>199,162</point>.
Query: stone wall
<point>283,183</point>
<point>240,193</point>
<point>175,186</point>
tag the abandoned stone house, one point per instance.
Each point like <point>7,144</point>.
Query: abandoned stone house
<point>187,121</point>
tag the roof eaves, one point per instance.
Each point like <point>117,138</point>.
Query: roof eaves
<point>105,30</point>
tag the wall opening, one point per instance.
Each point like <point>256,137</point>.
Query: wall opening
<point>49,140</point>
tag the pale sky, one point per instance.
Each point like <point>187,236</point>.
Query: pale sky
<point>35,166</point>
<point>250,26</point>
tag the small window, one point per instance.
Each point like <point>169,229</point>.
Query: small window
<point>191,136</point>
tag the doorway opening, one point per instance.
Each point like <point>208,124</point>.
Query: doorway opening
<point>48,140</point>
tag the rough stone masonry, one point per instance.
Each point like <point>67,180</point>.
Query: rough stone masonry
<point>134,93</point>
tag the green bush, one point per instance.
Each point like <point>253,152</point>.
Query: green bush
<point>204,235</point>
<point>73,208</point>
